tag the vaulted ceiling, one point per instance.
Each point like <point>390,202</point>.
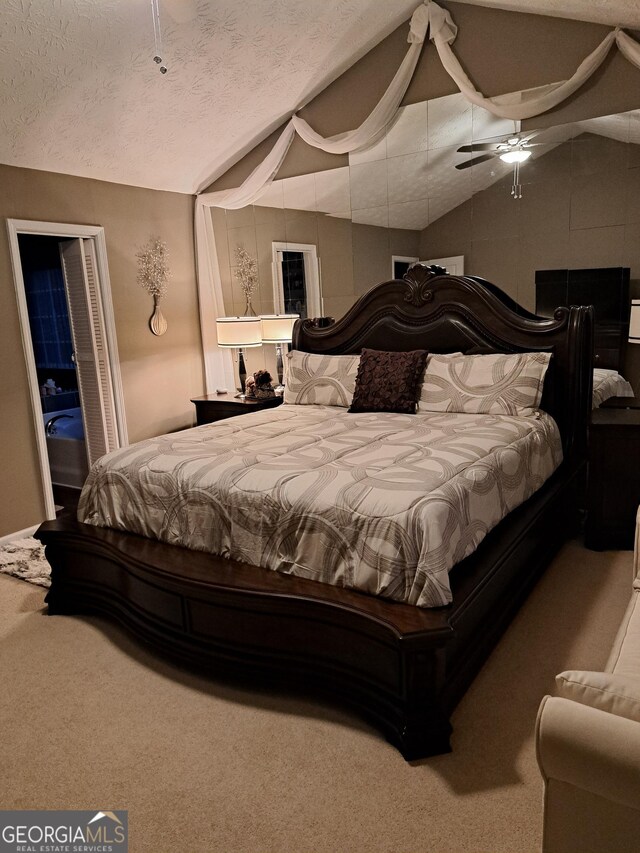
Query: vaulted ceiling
<point>81,95</point>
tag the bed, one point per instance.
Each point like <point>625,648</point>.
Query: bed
<point>402,666</point>
<point>607,290</point>
<point>608,383</point>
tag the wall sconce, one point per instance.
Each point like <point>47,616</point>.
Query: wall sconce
<point>153,274</point>
<point>277,329</point>
<point>634,322</point>
<point>239,333</point>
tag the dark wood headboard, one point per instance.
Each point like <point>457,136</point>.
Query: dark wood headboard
<point>607,289</point>
<point>445,313</point>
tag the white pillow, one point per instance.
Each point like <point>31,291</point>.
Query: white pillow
<point>617,694</point>
<point>494,384</point>
<point>323,380</point>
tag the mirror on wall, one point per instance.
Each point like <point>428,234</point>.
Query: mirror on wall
<point>436,187</point>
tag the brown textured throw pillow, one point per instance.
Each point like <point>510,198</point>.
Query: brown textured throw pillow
<point>388,381</point>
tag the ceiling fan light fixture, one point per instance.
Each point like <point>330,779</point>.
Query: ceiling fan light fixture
<point>518,155</point>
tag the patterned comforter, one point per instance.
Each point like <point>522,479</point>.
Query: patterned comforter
<point>608,383</point>
<point>383,503</point>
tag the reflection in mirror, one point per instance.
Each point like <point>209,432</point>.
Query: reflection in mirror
<point>436,187</point>
<point>400,264</point>
<point>296,279</point>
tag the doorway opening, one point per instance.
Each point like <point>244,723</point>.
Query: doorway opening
<point>296,280</point>
<point>68,334</point>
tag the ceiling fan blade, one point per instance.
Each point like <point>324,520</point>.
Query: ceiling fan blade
<point>478,146</point>
<point>181,10</point>
<point>474,161</point>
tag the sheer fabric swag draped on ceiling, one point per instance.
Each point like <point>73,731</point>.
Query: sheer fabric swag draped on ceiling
<point>427,18</point>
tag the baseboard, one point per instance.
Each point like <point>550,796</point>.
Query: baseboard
<point>19,534</point>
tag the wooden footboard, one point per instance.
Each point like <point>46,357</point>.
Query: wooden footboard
<point>401,667</point>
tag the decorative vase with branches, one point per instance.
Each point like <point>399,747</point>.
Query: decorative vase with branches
<point>153,275</point>
<point>247,274</point>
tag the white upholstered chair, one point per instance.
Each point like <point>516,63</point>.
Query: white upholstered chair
<point>588,748</point>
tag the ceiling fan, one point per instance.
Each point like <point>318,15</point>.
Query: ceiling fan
<point>515,149</point>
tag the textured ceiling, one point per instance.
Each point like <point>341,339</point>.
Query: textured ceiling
<point>79,92</point>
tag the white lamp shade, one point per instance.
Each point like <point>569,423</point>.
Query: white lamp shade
<point>277,328</point>
<point>238,331</point>
<point>518,155</point>
<point>634,322</point>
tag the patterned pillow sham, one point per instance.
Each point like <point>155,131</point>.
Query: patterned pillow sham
<point>321,380</point>
<point>388,381</point>
<point>484,384</point>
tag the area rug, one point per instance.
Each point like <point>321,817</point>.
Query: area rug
<point>24,559</point>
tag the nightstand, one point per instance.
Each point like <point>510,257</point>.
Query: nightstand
<point>614,476</point>
<point>215,407</point>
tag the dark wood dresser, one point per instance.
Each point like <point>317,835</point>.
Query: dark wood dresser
<point>614,475</point>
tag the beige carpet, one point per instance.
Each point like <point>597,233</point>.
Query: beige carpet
<point>89,720</point>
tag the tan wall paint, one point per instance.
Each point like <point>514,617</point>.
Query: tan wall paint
<point>159,375</point>
<point>580,208</point>
<point>256,229</point>
<point>373,248</point>
<point>501,51</point>
<point>338,243</point>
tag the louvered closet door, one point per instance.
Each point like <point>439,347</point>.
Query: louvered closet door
<point>92,363</point>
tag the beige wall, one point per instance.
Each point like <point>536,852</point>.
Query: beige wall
<point>255,229</point>
<point>373,249</point>
<point>580,208</point>
<point>353,258</point>
<point>159,374</point>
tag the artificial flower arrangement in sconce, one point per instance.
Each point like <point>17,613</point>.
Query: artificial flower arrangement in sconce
<point>247,274</point>
<point>153,275</point>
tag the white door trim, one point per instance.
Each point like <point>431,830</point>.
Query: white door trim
<point>403,259</point>
<point>454,264</point>
<point>54,229</point>
<point>311,275</point>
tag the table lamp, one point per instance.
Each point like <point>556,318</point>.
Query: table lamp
<point>277,329</point>
<point>634,322</point>
<point>239,333</point>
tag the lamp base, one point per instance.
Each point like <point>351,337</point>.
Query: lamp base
<point>279,364</point>
<point>242,373</point>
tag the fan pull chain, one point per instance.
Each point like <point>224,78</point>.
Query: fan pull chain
<point>157,36</point>
<point>516,189</point>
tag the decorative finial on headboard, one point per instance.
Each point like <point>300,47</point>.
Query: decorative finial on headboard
<point>419,277</point>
